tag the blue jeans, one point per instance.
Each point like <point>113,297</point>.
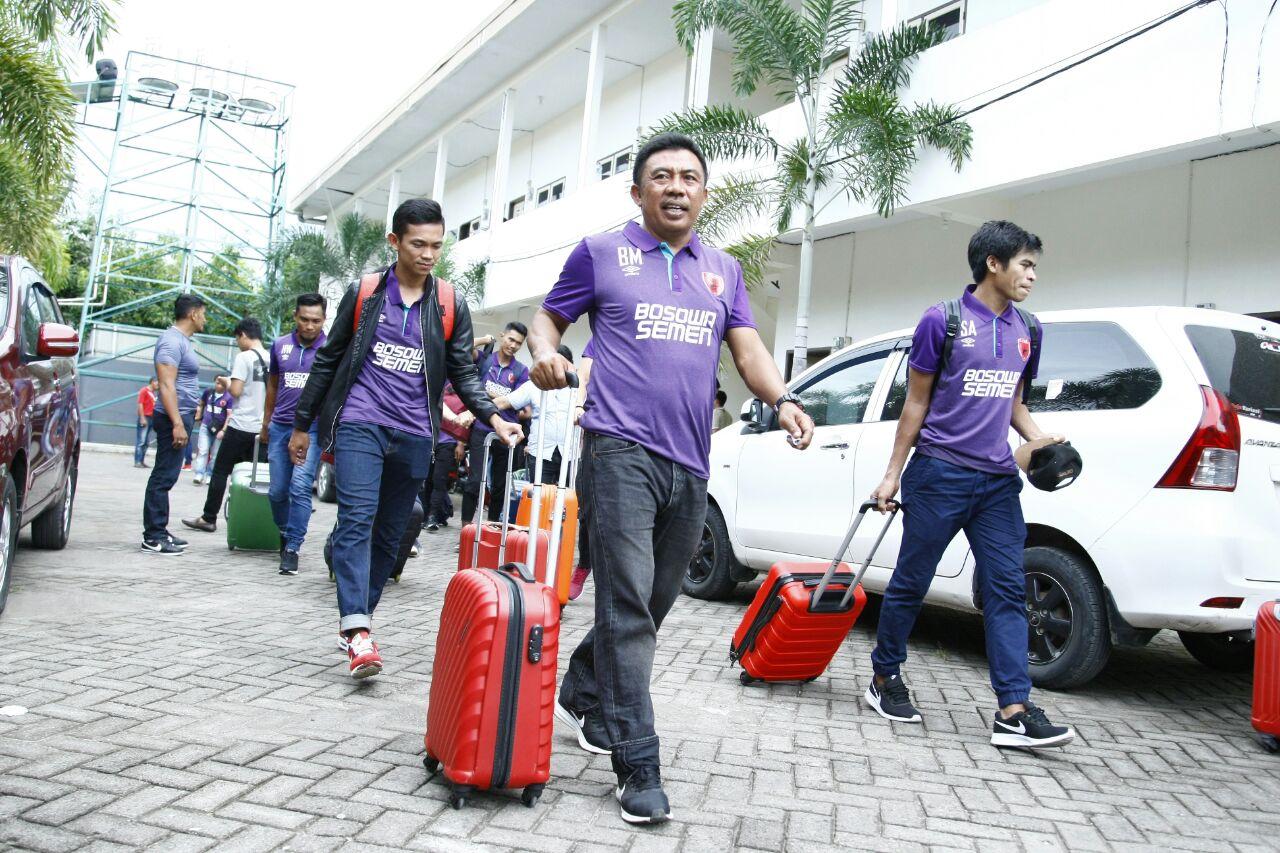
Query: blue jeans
<point>142,437</point>
<point>168,467</point>
<point>290,492</point>
<point>939,500</point>
<point>645,523</point>
<point>379,472</point>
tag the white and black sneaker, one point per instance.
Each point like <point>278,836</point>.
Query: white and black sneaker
<point>588,728</point>
<point>1029,728</point>
<point>892,700</point>
<point>163,547</point>
<point>640,796</point>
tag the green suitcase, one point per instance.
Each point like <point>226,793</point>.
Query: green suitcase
<point>250,526</point>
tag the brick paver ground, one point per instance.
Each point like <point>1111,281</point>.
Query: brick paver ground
<point>197,702</point>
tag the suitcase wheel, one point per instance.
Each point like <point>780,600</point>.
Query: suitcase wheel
<point>458,795</point>
<point>745,679</point>
<point>530,795</point>
<point>432,764</point>
<point>1269,743</point>
<point>230,547</point>
<point>332,578</point>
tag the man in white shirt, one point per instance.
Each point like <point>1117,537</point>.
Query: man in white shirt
<point>560,405</point>
<point>249,387</point>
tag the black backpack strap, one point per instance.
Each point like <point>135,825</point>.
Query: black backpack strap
<point>951,311</point>
<point>1033,328</point>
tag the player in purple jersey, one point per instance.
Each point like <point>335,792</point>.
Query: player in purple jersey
<point>963,477</point>
<point>661,303</point>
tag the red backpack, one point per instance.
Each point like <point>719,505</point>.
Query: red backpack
<point>444,291</point>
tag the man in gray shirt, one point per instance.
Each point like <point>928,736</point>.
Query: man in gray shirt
<point>173,419</point>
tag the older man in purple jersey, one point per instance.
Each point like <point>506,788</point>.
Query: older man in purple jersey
<point>661,303</point>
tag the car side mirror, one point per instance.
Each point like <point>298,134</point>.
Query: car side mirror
<point>753,414</point>
<point>56,340</point>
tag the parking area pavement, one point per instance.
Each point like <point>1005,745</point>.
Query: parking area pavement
<point>197,702</point>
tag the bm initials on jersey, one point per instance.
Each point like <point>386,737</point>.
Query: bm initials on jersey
<point>629,260</point>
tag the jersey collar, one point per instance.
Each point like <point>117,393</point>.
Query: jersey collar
<point>976,306</point>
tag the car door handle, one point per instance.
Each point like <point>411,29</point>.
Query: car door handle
<point>840,445</point>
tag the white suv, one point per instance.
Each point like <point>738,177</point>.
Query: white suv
<point>1174,522</point>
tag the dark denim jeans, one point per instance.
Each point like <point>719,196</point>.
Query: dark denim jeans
<point>645,523</point>
<point>939,500</point>
<point>237,446</point>
<point>499,457</point>
<point>379,472</point>
<point>290,491</point>
<point>168,467</point>
<point>435,492</point>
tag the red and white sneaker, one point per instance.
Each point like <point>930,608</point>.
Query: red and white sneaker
<point>362,651</point>
<point>577,581</point>
<point>342,642</point>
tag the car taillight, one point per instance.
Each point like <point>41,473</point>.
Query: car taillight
<point>1211,458</point>
<point>1223,602</point>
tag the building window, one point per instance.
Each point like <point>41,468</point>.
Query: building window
<point>615,164</point>
<point>551,192</point>
<point>469,228</point>
<point>515,207</point>
<point>949,17</point>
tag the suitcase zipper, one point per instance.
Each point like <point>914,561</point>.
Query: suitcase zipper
<point>509,698</point>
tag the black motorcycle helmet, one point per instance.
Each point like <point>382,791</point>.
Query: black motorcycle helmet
<point>1054,466</point>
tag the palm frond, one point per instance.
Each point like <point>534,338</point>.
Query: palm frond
<point>730,204</point>
<point>28,204</point>
<point>37,112</point>
<point>752,254</point>
<point>940,125</point>
<point>86,22</point>
<point>886,59</point>
<point>768,35</point>
<point>794,165</point>
<point>829,25</point>
<point>723,132</point>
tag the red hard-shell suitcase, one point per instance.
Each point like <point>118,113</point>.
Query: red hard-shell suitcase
<point>493,682</point>
<point>481,544</point>
<point>1266,675</point>
<point>802,613</point>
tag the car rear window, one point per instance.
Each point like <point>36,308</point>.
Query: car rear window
<point>1091,367</point>
<point>1245,366</point>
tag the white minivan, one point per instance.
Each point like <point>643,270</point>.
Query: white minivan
<point>1174,522</point>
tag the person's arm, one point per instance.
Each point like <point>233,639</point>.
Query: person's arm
<point>200,410</point>
<point>462,372</point>
<point>757,368</point>
<point>919,393</point>
<point>269,405</point>
<point>573,295</point>
<point>168,376</point>
<point>479,344</point>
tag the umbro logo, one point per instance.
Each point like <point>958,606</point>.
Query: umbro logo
<point>968,343</point>
<point>630,260</point>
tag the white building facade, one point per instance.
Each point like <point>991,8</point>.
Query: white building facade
<point>1143,151</point>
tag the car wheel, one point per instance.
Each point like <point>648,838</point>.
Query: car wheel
<point>1223,652</point>
<point>8,537</point>
<point>1068,638</point>
<point>710,572</point>
<point>52,528</point>
<point>326,486</point>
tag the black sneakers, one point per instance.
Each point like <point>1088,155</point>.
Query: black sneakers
<point>176,542</point>
<point>1029,728</point>
<point>288,562</point>
<point>891,700</point>
<point>162,547</point>
<point>640,795</point>
<point>588,728</point>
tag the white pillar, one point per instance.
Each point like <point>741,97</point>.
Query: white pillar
<point>591,105</point>
<point>699,93</point>
<point>393,197</point>
<point>888,15</point>
<point>442,169</point>
<point>498,196</point>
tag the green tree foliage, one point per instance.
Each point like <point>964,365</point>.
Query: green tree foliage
<point>37,120</point>
<point>859,135</point>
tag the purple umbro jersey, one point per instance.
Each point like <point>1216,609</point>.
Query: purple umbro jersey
<point>501,381</point>
<point>969,416</point>
<point>391,388</point>
<point>657,321</point>
<point>291,365</point>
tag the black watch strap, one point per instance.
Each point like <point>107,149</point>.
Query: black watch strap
<point>788,398</point>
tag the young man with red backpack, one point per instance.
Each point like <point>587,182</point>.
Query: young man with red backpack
<point>375,392</point>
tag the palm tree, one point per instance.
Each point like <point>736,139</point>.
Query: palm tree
<point>307,261</point>
<point>859,137</point>
<point>37,118</point>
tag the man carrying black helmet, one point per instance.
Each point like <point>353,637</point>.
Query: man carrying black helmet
<point>969,361</point>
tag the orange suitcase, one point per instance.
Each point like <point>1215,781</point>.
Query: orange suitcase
<point>550,501</point>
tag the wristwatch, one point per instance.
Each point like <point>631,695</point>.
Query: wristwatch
<point>788,398</point>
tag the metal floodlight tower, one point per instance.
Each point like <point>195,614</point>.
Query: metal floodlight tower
<point>193,163</point>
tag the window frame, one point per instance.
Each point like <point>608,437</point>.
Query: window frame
<point>611,163</point>
<point>554,191</point>
<point>928,17</point>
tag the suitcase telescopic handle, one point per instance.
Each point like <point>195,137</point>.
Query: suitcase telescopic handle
<point>815,602</point>
<point>483,504</point>
<point>506,505</point>
<point>535,510</point>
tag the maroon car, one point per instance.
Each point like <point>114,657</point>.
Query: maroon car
<point>39,414</point>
